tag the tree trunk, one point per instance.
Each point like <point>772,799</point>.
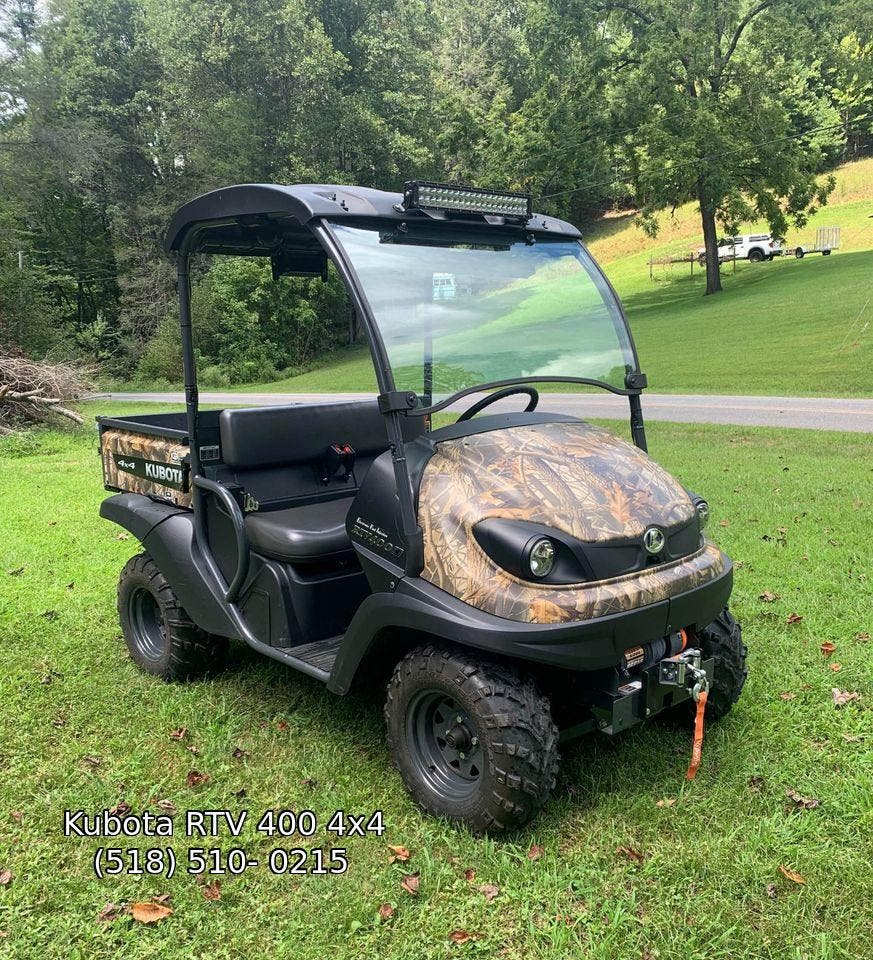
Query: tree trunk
<point>710,241</point>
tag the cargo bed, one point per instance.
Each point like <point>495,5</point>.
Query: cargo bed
<point>148,453</point>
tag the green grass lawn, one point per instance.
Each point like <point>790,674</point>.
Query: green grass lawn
<point>793,508</point>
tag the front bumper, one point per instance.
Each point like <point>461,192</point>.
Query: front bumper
<point>586,644</point>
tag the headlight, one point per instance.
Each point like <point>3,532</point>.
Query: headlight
<point>541,557</point>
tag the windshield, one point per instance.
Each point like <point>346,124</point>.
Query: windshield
<point>454,315</point>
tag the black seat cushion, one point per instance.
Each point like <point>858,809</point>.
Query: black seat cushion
<point>311,532</point>
<point>270,436</point>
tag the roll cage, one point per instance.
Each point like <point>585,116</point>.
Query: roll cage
<point>292,226</point>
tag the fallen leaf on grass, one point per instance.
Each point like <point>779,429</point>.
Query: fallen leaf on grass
<point>794,618</point>
<point>863,635</point>
<point>489,891</point>
<point>804,803</point>
<point>92,762</point>
<point>469,875</point>
<point>112,911</point>
<point>835,667</point>
<point>535,852</point>
<point>772,890</point>
<point>842,697</point>
<point>212,891</point>
<point>197,779</point>
<point>398,854</point>
<point>239,794</point>
<point>16,815</point>
<point>167,806</point>
<point>724,523</point>
<point>49,615</point>
<point>768,596</point>
<point>309,782</point>
<point>180,733</point>
<point>149,912</point>
<point>633,855</point>
<point>71,584</point>
<point>787,695</point>
<point>756,783</point>
<point>5,877</point>
<point>122,536</point>
<point>463,936</point>
<point>239,754</point>
<point>792,875</point>
<point>16,572</point>
<point>827,648</point>
<point>386,912</point>
<point>120,808</point>
<point>667,802</point>
<point>283,726</point>
<point>410,883</point>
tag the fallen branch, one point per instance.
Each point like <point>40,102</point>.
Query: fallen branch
<point>69,414</point>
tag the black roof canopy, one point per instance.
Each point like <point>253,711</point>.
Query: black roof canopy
<point>257,219</point>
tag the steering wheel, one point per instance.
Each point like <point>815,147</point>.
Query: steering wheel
<point>480,405</point>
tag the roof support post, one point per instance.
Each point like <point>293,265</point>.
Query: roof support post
<point>189,365</point>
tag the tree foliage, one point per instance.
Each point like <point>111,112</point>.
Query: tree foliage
<point>114,112</point>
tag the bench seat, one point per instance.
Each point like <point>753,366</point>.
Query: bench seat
<point>315,531</point>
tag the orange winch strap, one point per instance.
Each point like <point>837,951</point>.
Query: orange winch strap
<point>697,745</point>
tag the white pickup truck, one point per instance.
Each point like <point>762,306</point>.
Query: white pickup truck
<point>750,246</point>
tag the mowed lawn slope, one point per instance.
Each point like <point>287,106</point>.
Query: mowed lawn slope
<point>636,862</point>
<point>788,327</point>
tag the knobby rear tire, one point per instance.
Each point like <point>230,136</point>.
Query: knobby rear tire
<point>161,637</point>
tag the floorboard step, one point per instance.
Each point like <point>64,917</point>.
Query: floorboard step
<point>320,654</point>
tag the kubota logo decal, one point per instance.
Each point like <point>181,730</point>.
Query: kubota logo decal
<point>162,473</point>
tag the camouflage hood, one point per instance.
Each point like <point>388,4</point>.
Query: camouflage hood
<point>570,476</point>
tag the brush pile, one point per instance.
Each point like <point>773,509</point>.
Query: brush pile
<point>36,391</point>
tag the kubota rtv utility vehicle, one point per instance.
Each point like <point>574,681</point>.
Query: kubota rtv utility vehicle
<point>521,577</point>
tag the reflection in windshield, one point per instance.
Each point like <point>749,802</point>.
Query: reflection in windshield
<point>453,316</point>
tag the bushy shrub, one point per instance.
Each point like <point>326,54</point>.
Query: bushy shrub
<point>162,359</point>
<point>245,320</point>
<point>248,327</point>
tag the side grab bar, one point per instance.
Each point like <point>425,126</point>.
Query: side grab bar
<point>239,529</point>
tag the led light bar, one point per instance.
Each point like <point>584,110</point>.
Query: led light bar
<point>422,195</point>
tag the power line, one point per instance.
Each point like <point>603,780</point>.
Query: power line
<point>698,160</point>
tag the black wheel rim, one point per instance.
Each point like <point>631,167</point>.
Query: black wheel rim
<point>444,745</point>
<point>147,624</point>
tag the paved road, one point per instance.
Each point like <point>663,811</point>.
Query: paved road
<point>816,413</point>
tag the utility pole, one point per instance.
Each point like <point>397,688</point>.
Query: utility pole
<point>20,324</point>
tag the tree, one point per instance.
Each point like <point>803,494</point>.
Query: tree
<point>721,110</point>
